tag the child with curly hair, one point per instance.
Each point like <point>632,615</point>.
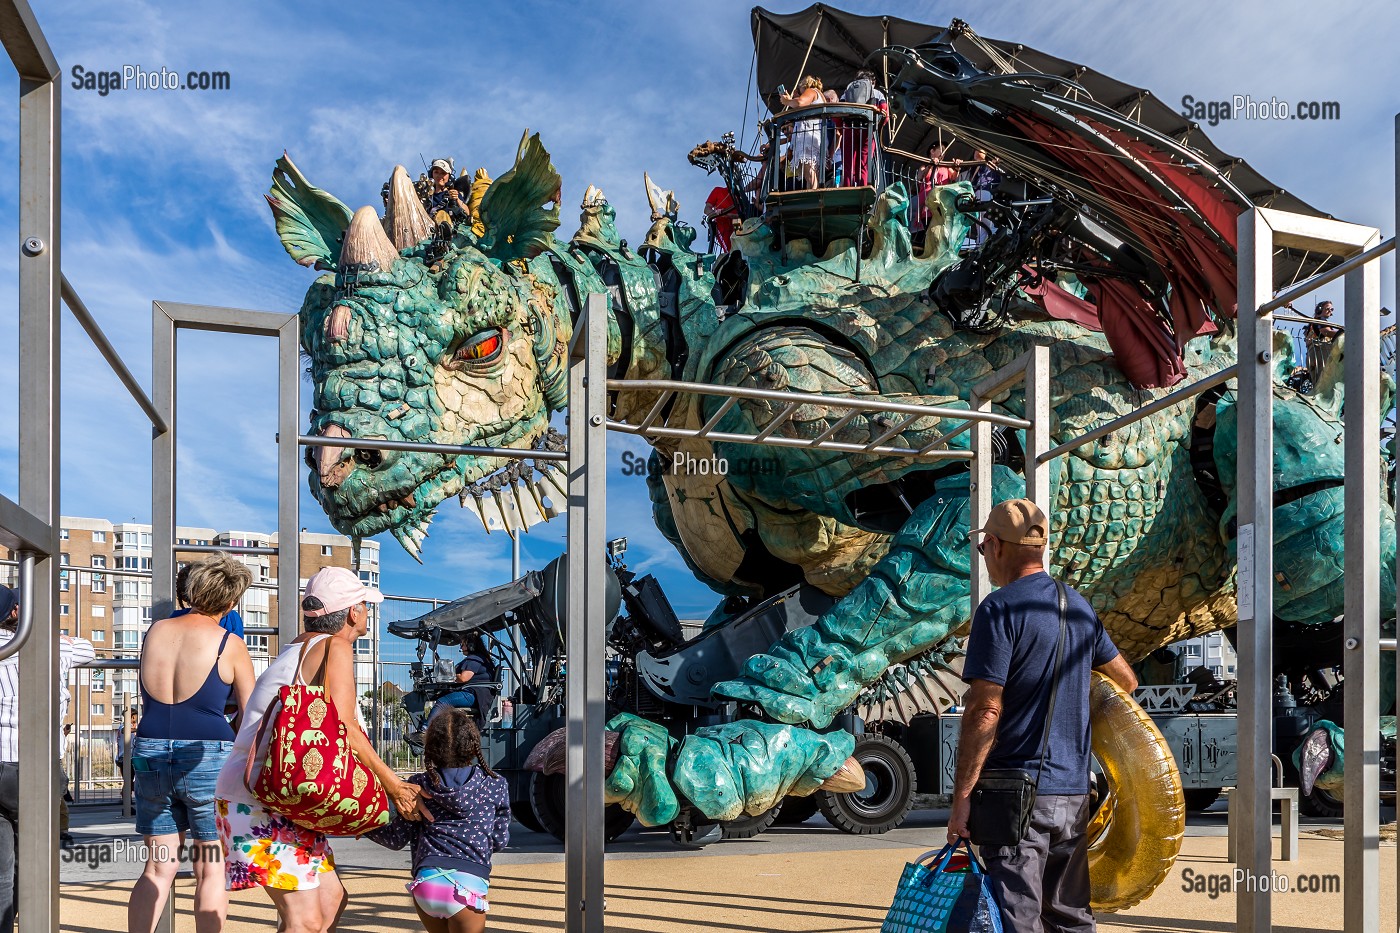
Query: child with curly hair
<point>470,805</point>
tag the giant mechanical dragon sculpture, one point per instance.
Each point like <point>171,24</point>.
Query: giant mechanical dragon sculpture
<point>465,342</point>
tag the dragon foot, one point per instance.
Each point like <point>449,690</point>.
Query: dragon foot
<point>723,771</point>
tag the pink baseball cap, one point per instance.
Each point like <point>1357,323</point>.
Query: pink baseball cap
<point>332,589</point>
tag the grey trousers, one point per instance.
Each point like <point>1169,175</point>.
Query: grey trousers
<point>1042,885</point>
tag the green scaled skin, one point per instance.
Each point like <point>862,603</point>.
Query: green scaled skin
<point>391,351</point>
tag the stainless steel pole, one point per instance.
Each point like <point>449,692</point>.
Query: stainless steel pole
<point>163,338</point>
<point>587,539</point>
<point>288,483</point>
<point>1254,548</point>
<point>38,359</point>
<point>1038,434</point>
<point>1361,626</point>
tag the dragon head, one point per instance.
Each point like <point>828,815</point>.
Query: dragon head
<point>417,334</point>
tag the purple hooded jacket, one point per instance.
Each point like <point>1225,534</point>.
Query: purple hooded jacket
<point>471,813</point>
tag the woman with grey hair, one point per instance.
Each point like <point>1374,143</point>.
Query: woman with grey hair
<point>190,667</point>
<point>263,848</point>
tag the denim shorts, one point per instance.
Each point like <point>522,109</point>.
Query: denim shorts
<point>175,781</point>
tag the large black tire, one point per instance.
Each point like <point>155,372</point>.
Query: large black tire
<point>888,793</point>
<point>1321,804</point>
<point>524,814</point>
<point>746,827</point>
<point>795,810</point>
<point>547,801</point>
<point>1200,798</point>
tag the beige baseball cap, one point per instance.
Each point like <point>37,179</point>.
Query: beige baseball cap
<point>1016,521</point>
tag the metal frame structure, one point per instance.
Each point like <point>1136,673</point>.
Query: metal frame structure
<point>1261,230</point>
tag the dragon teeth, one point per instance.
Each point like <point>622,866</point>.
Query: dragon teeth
<point>525,505</point>
<point>491,515</point>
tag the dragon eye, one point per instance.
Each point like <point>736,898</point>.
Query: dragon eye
<point>480,348</point>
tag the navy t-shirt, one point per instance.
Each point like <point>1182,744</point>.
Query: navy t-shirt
<point>1012,643</point>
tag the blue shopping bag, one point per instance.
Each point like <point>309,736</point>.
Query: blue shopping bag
<point>943,899</point>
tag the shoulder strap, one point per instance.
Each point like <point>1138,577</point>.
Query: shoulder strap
<point>223,641</point>
<point>1063,599</point>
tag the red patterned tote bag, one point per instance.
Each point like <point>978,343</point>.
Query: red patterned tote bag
<point>301,765</point>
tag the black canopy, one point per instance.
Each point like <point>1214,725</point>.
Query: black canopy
<point>835,44</point>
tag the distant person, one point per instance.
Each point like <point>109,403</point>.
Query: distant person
<point>806,133</point>
<point>470,805</point>
<point>929,176</point>
<point>191,667</point>
<point>475,667</point>
<point>858,137</point>
<point>72,652</point>
<point>721,216</point>
<point>231,622</point>
<point>445,200</point>
<point>1011,721</point>
<point>1320,338</point>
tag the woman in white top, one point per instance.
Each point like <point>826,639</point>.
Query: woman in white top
<point>264,849</point>
<point>806,134</point>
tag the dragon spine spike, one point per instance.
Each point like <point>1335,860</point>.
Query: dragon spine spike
<point>489,514</point>
<point>556,479</point>
<point>367,247</point>
<point>405,220</point>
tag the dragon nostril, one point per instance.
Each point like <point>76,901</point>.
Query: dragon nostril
<point>369,457</point>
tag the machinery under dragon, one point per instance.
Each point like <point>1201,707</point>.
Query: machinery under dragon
<point>463,339</point>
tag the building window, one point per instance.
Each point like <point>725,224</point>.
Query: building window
<point>63,534</point>
<point>99,680</point>
<point>98,637</point>
<point>146,615</point>
<point>129,538</point>
<point>257,644</point>
<point>99,560</point>
<point>99,709</point>
<point>327,550</point>
<point>99,612</point>
<point>99,583</point>
<point>363,647</point>
<point>63,609</point>
<point>99,537</point>
<point>1193,651</point>
<point>63,559</point>
<point>126,641</point>
<point>63,581</point>
<point>145,539</point>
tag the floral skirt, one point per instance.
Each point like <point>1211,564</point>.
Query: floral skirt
<point>263,849</point>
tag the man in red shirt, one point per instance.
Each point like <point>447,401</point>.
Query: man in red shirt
<point>720,215</point>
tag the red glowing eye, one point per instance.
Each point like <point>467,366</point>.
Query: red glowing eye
<point>483,348</point>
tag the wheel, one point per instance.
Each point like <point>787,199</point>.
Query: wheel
<point>746,827</point>
<point>1200,798</point>
<point>888,793</point>
<point>525,815</point>
<point>795,810</point>
<point>1320,803</point>
<point>547,801</point>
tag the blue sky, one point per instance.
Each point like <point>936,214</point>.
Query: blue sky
<point>163,190</point>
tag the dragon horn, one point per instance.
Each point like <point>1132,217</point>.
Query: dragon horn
<point>367,247</point>
<point>405,220</point>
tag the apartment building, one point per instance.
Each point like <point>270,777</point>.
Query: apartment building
<point>105,596</point>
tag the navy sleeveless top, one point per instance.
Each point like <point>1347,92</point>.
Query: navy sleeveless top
<point>201,717</point>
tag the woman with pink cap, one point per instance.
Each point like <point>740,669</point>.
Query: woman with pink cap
<point>263,848</point>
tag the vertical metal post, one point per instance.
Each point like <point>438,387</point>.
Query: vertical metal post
<point>163,339</point>
<point>1038,435</point>
<point>1362,615</point>
<point>587,538</point>
<point>1255,536</point>
<point>1397,478</point>
<point>38,360</point>
<point>288,482</point>
<point>979,499</point>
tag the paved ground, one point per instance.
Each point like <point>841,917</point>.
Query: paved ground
<point>808,878</point>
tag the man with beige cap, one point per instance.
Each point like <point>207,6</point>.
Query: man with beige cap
<point>1027,708</point>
